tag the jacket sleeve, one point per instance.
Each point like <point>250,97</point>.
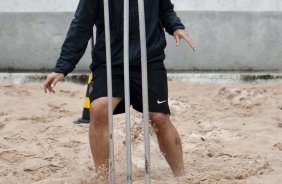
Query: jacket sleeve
<point>170,20</point>
<point>78,35</point>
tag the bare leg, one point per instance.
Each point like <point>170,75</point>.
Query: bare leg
<point>169,142</point>
<point>98,134</point>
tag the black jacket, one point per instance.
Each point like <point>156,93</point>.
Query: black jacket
<point>159,14</point>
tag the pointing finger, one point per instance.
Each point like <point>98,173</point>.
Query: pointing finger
<point>190,42</point>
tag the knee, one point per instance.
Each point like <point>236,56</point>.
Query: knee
<point>99,111</point>
<point>159,120</point>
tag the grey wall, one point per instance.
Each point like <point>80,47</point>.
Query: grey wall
<point>180,5</point>
<point>31,40</point>
<point>230,41</point>
<point>238,35</point>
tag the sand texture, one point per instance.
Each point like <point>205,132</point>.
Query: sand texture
<point>230,134</point>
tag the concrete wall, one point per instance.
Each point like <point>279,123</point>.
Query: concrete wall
<point>230,34</point>
<point>180,5</point>
<point>230,41</point>
<point>228,5</point>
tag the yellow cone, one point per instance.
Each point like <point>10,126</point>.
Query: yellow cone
<point>86,114</point>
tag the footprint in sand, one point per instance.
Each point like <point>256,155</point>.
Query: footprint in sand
<point>69,93</point>
<point>62,180</point>
<point>17,93</point>
<point>2,126</point>
<point>4,146</point>
<point>54,107</point>
<point>35,119</point>
<point>23,119</point>
<point>137,133</point>
<point>8,86</point>
<point>242,168</point>
<point>245,97</point>
<point>70,144</point>
<point>278,146</point>
<point>41,119</point>
<point>178,107</point>
<point>58,109</point>
<point>12,156</point>
<point>3,114</point>
<point>34,164</point>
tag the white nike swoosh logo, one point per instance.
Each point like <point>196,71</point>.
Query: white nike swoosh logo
<point>160,102</point>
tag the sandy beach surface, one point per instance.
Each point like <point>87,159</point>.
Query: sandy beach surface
<point>230,134</point>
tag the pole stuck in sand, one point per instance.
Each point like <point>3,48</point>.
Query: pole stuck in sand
<point>127,91</point>
<point>142,27</point>
<point>110,93</point>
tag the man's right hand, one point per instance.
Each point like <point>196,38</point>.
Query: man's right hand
<point>51,81</point>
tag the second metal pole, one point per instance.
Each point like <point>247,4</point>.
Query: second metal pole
<point>142,27</point>
<point>127,90</point>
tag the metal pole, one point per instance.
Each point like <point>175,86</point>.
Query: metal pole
<point>127,90</point>
<point>142,28</point>
<point>110,94</point>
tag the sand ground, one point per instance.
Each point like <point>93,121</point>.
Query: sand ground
<point>230,134</point>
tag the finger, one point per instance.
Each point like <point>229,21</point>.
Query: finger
<point>50,89</point>
<point>47,84</point>
<point>55,82</point>
<point>190,42</point>
<point>176,37</point>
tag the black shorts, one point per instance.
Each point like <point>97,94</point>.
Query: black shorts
<point>157,87</point>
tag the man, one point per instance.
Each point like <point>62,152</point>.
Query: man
<point>159,14</point>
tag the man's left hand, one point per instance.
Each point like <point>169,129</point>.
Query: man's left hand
<point>182,34</point>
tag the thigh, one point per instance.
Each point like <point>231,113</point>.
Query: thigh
<point>101,104</point>
<point>98,92</point>
<point>99,109</point>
